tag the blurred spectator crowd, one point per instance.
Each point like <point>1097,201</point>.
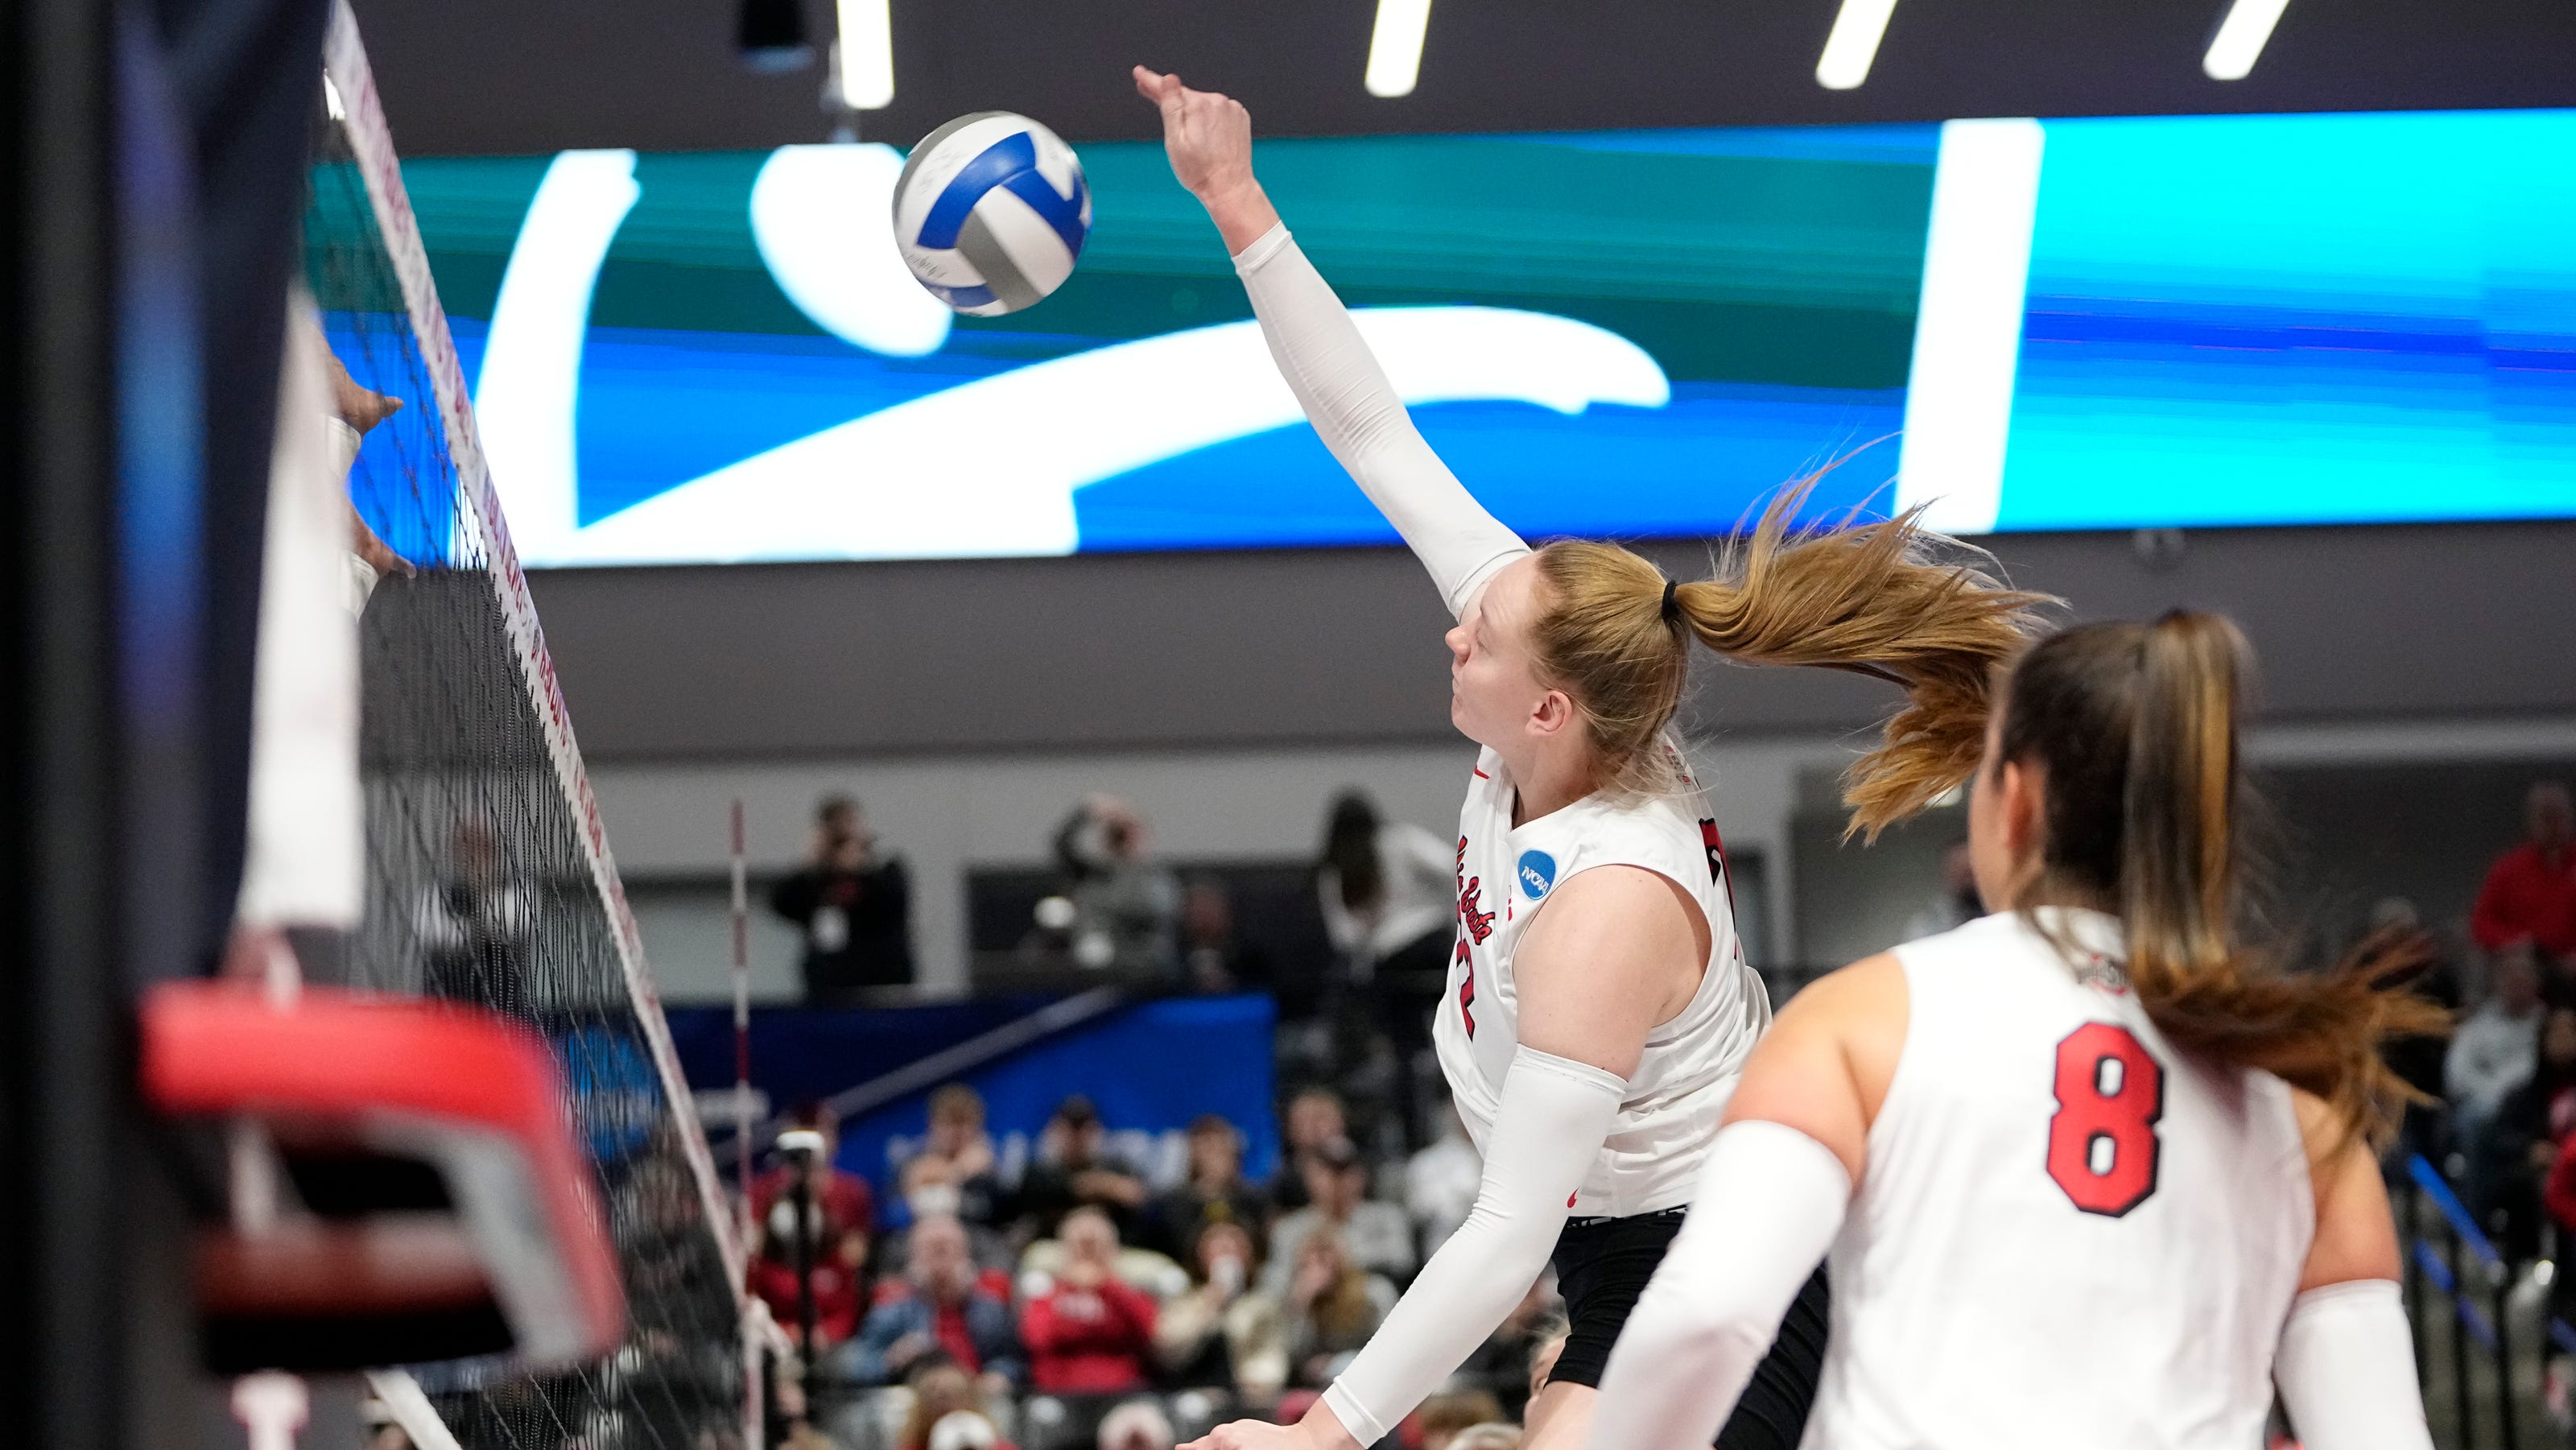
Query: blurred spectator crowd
<point>1088,1303</point>
<point>1080,1295</point>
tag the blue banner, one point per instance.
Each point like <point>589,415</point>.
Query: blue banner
<point>1149,1069</point>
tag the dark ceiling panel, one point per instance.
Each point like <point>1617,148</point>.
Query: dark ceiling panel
<point>464,77</point>
<point>1148,651</point>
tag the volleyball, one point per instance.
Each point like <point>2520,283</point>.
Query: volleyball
<point>990,212</point>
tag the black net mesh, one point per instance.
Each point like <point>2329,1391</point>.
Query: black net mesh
<point>484,886</point>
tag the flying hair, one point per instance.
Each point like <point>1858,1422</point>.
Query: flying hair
<point>2135,731</point>
<point>1887,599</point>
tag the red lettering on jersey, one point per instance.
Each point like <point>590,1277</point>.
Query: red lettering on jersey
<point>2112,1126</point>
<point>1479,924</point>
<point>1717,871</point>
<point>1467,987</point>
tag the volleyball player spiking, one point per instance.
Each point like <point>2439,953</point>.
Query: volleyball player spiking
<point>1599,1008</point>
<point>2092,1170</point>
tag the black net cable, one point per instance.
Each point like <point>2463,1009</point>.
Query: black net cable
<point>488,879</point>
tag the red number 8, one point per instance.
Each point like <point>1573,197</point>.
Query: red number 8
<point>2102,1145</point>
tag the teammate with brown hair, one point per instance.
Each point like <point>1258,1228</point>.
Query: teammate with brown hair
<point>2094,1169</point>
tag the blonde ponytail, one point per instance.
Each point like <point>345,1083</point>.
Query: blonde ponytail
<point>1889,600</point>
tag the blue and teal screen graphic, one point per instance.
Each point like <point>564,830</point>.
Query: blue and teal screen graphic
<point>2102,323</point>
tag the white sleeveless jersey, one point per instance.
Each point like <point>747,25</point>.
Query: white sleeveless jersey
<point>2066,1233</point>
<point>1691,1063</point>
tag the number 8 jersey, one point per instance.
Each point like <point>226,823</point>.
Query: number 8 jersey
<point>2064,1225</point>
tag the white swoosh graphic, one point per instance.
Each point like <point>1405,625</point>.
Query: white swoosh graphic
<point>985,469</point>
<point>989,468</point>
<point>822,217</point>
<point>523,397</point>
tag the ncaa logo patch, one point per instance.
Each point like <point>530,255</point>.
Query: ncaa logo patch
<point>1537,872</point>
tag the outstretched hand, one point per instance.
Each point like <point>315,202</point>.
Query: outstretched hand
<point>1209,140</point>
<point>1317,1430</point>
<point>1255,1435</point>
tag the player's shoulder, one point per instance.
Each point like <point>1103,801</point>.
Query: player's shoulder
<point>1863,986</point>
<point>1868,1001</point>
<point>2324,1131</point>
<point>1658,831</point>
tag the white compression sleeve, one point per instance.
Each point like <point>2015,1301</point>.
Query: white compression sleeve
<point>1769,1202</point>
<point>1548,1128</point>
<point>1358,415</point>
<point>2346,1370</point>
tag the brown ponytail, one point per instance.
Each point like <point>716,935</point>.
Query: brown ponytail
<point>2135,731</point>
<point>1875,599</point>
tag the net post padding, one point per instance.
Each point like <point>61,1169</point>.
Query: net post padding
<point>345,62</point>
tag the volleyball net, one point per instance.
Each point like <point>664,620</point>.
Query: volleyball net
<point>488,876</point>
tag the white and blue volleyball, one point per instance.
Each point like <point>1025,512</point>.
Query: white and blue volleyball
<point>990,212</point>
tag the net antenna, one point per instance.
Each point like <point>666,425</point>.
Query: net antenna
<point>745,1113</point>
<point>488,873</point>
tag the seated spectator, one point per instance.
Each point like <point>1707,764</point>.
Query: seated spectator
<point>1136,1425</point>
<point>2417,1061</point>
<point>2558,1199</point>
<point>1440,1183</point>
<point>1075,1169</point>
<point>2530,893</point>
<point>840,1267</point>
<point>1444,1416</point>
<point>1215,1191</point>
<point>845,1196</point>
<point>1314,1117</point>
<point>940,1311</point>
<point>1376,1236</point>
<point>942,1395</point>
<point>1549,1343</point>
<point>2492,1053</point>
<point>1214,957</point>
<point>954,1171</point>
<point>1333,1307</point>
<point>966,1430</point>
<point>1221,1332</point>
<point>478,922</point>
<point>1087,1333</point>
<point>1502,1364</point>
<point>2521,1143</point>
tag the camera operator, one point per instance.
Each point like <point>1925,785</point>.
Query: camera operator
<point>854,906</point>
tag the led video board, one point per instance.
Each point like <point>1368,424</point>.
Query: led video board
<point>2101,323</point>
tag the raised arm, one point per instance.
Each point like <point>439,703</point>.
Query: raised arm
<point>1320,352</point>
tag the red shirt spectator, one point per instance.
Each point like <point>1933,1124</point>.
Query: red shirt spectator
<point>1090,1334</point>
<point>2530,892</point>
<point>844,1197</point>
<point>839,1269</point>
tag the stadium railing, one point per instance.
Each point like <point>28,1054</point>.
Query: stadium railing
<point>2461,1264</point>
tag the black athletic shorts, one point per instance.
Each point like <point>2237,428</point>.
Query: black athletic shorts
<point>1602,1265</point>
